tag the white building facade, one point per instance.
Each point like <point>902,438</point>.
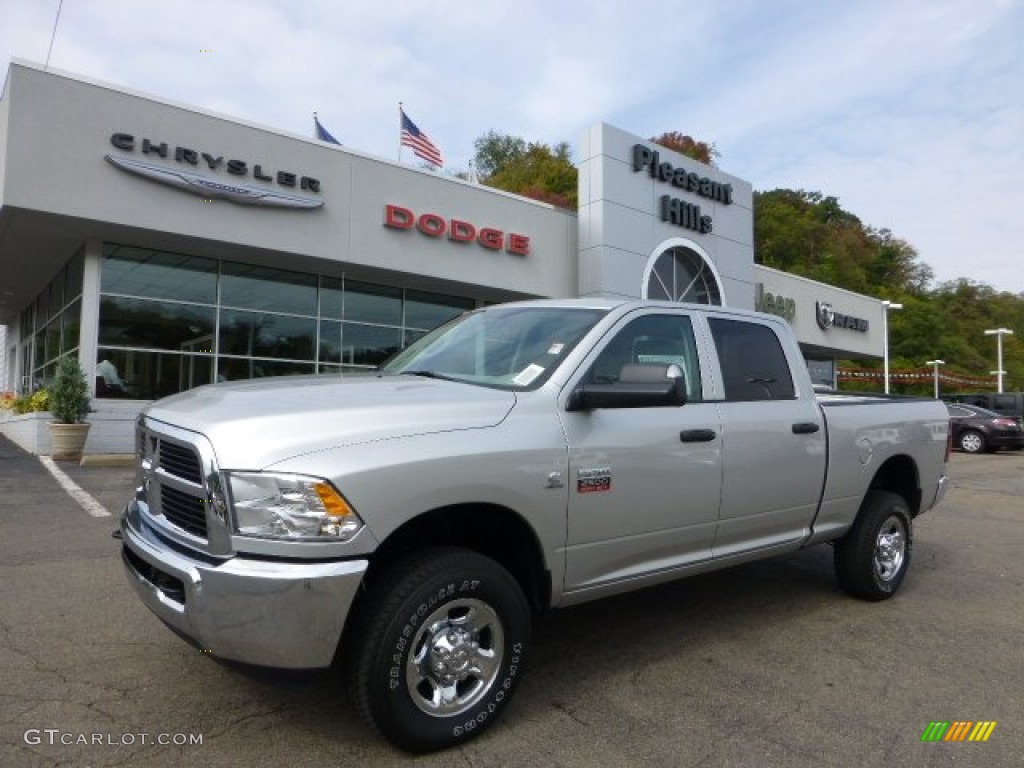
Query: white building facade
<point>169,247</point>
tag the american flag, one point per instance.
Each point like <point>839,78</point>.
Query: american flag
<point>420,143</point>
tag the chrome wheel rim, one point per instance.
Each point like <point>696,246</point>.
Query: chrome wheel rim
<point>455,657</point>
<point>971,442</point>
<point>890,548</point>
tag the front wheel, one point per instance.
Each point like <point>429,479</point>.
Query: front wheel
<point>871,560</point>
<point>972,441</point>
<point>437,648</point>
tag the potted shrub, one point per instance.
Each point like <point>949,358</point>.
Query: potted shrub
<point>69,403</point>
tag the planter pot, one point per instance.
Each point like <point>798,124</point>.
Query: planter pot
<point>68,440</point>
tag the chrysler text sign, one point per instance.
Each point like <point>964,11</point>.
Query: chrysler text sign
<point>228,187</point>
<point>456,230</point>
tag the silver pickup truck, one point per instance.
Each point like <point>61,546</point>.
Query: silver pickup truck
<point>408,524</point>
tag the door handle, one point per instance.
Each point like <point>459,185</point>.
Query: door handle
<point>805,428</point>
<point>697,435</point>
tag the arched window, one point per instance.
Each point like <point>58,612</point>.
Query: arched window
<point>681,274</point>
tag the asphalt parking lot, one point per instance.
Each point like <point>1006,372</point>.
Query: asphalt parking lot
<point>767,664</point>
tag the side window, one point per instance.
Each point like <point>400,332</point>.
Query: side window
<point>1003,402</point>
<point>647,342</point>
<point>753,364</point>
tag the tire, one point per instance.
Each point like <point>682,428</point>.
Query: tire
<point>872,559</point>
<point>972,441</point>
<point>462,610</point>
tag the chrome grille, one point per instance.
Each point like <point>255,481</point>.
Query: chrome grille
<point>180,461</point>
<point>174,482</point>
<point>185,510</point>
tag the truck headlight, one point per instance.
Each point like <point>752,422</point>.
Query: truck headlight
<point>290,507</point>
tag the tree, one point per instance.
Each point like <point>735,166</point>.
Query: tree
<point>689,146</point>
<point>533,170</point>
<point>495,152</point>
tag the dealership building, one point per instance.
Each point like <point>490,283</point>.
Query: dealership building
<point>168,247</point>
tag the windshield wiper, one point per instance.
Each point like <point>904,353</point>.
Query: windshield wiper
<point>426,374</point>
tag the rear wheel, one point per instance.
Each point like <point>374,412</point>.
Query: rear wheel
<point>871,560</point>
<point>972,441</point>
<point>436,648</point>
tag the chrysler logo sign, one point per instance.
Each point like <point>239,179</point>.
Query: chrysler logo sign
<point>208,187</point>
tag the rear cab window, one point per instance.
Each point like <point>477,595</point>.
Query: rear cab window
<point>752,361</point>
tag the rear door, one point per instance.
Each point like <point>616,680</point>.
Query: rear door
<point>773,440</point>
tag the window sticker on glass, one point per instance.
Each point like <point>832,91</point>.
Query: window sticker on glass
<point>556,348</point>
<point>528,374</point>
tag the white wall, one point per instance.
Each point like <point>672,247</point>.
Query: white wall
<point>806,294</point>
<point>62,127</point>
<point>621,226</point>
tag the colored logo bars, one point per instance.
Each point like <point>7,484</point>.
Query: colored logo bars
<point>958,730</point>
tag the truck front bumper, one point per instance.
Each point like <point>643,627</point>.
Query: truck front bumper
<point>264,612</point>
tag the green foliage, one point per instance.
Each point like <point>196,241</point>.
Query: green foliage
<point>496,151</point>
<point>546,173</point>
<point>809,234</point>
<point>35,402</point>
<point>536,170</point>
<point>69,392</point>
<point>689,146</point>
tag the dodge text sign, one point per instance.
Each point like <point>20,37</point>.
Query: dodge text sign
<point>456,230</point>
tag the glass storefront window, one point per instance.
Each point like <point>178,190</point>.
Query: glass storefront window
<point>368,344</point>
<point>330,342</point>
<point>169,321</point>
<point>426,311</point>
<point>71,322</point>
<point>261,334</point>
<point>149,375</point>
<point>240,368</point>
<point>42,309</point>
<point>56,289</point>
<point>368,303</point>
<point>73,277</point>
<point>52,334</point>
<point>822,371</point>
<point>331,297</point>
<point>159,275</point>
<point>156,324</point>
<point>250,287</point>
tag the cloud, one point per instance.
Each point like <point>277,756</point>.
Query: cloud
<point>910,113</point>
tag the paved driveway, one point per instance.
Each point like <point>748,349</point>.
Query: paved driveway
<point>763,665</point>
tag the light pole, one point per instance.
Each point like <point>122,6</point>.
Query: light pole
<point>935,364</point>
<point>886,307</point>
<point>999,333</point>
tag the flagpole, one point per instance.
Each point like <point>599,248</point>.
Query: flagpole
<point>399,131</point>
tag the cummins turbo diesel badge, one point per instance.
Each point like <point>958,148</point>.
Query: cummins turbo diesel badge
<point>593,480</point>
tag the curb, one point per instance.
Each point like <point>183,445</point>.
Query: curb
<point>108,460</point>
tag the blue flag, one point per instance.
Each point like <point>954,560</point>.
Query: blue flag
<point>322,133</point>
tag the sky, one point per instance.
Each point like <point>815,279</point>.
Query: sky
<point>910,112</point>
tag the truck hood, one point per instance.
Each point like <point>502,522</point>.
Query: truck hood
<point>254,424</point>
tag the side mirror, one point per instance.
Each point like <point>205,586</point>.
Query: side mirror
<point>641,386</point>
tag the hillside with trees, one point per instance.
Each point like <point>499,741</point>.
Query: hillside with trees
<point>808,233</point>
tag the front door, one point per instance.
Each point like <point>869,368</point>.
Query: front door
<point>645,483</point>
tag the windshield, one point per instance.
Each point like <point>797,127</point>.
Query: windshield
<point>505,347</point>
